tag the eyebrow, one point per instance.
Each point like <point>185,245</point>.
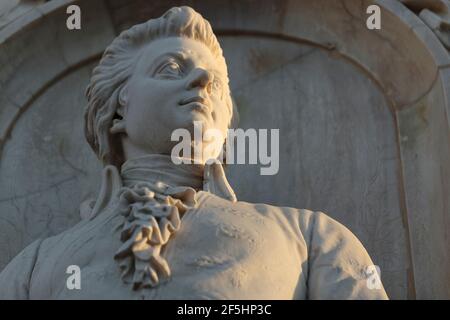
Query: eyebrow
<point>157,61</point>
<point>180,55</point>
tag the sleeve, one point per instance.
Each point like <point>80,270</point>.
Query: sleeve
<point>15,277</point>
<point>339,266</point>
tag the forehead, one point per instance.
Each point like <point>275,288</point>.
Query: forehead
<point>185,48</point>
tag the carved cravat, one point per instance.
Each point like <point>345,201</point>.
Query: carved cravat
<point>155,195</point>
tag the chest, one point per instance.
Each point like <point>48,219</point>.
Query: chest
<point>221,251</point>
<point>230,252</point>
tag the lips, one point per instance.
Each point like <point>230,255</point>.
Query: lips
<point>194,99</point>
<point>197,102</point>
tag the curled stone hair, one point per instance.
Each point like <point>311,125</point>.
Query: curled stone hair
<point>116,67</point>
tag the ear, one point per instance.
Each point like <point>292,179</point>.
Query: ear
<point>118,125</point>
<point>123,96</point>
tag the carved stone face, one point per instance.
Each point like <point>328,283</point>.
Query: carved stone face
<point>176,81</point>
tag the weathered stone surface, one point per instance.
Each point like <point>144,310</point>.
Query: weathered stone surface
<point>425,155</point>
<point>45,170</point>
<point>367,112</point>
<point>251,251</point>
<point>337,133</point>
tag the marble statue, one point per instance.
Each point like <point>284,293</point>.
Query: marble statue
<point>164,231</point>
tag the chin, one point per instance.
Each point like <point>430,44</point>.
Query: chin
<point>195,119</point>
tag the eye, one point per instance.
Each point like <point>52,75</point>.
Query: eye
<point>169,70</point>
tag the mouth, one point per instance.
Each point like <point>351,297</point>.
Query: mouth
<point>196,103</point>
<point>198,107</point>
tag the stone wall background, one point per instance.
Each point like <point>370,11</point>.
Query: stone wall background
<point>363,118</point>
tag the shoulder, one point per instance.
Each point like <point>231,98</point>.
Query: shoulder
<point>339,265</point>
<point>324,231</point>
<point>15,277</point>
<point>325,235</point>
<point>317,228</point>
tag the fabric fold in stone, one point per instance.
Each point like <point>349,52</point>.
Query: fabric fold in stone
<point>156,193</point>
<point>150,218</point>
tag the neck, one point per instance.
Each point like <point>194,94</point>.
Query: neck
<point>156,168</point>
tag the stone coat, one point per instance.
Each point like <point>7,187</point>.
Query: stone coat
<point>223,250</point>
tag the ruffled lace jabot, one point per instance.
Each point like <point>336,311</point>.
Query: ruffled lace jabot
<point>154,196</point>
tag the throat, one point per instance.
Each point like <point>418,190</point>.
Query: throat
<point>157,168</point>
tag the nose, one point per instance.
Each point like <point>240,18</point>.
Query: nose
<point>199,78</point>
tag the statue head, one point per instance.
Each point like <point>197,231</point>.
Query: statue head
<point>155,77</point>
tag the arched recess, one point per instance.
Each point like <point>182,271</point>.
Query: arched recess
<point>366,110</point>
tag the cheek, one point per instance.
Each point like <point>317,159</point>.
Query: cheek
<point>150,100</point>
<point>138,114</point>
<point>222,116</point>
<point>152,93</point>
